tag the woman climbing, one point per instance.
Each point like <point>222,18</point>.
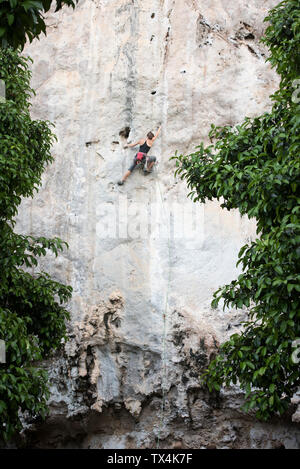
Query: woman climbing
<point>141,156</point>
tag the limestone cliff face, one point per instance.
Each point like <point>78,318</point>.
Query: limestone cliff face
<point>143,260</point>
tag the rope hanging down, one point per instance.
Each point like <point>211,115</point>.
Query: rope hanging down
<point>164,336</point>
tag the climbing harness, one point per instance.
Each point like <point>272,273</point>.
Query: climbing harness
<point>143,164</point>
<point>164,335</point>
<point>140,156</point>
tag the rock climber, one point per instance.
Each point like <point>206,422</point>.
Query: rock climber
<point>141,156</point>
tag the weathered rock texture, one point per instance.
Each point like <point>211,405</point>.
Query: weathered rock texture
<point>114,67</point>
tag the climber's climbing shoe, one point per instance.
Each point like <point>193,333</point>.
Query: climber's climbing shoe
<point>120,183</point>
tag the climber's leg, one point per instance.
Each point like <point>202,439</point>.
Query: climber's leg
<point>150,163</point>
<point>124,178</point>
<point>134,163</point>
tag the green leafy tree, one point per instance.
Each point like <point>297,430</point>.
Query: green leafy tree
<point>22,20</point>
<point>32,313</point>
<point>254,167</point>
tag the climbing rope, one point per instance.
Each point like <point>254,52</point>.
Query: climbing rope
<point>164,336</point>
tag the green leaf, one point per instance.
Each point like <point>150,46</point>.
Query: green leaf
<point>10,19</point>
<point>272,388</point>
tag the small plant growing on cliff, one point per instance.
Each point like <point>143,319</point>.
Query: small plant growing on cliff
<point>22,20</point>
<point>255,167</point>
<point>32,315</point>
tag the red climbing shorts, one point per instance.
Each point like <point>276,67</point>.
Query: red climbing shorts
<point>136,162</point>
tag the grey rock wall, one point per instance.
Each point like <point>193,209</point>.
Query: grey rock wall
<point>142,328</point>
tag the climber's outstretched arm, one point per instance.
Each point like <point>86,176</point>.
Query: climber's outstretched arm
<point>157,134</point>
<point>140,142</point>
